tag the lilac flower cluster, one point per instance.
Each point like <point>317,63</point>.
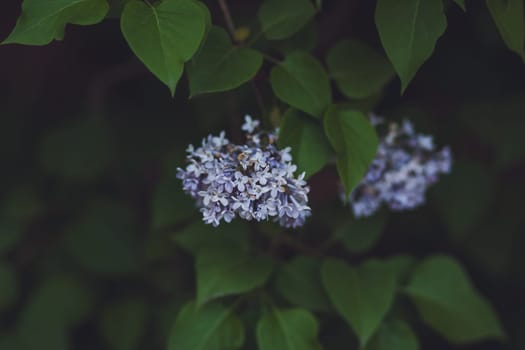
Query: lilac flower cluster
<point>406,164</point>
<point>254,181</point>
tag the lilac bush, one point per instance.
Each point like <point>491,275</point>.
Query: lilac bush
<point>254,181</point>
<point>406,164</point>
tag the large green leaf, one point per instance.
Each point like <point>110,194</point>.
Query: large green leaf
<point>355,142</point>
<point>510,20</point>
<point>43,21</point>
<point>8,286</point>
<point>394,335</point>
<point>225,270</point>
<point>358,70</point>
<point>409,30</point>
<point>283,18</point>
<point>361,295</point>
<point>301,81</point>
<point>291,329</point>
<point>448,302</point>
<point>123,323</point>
<point>299,281</point>
<point>220,66</point>
<point>164,36</point>
<point>211,327</point>
<point>310,149</point>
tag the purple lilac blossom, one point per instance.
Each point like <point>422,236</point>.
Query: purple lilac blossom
<point>406,164</point>
<point>254,181</point>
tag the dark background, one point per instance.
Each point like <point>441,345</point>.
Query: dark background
<point>86,132</point>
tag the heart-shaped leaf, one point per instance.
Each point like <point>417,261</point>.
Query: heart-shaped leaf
<point>358,70</point>
<point>43,21</point>
<point>448,302</point>
<point>229,66</point>
<point>362,295</point>
<point>164,36</point>
<point>355,142</point>
<point>310,148</point>
<point>409,30</point>
<point>301,81</point>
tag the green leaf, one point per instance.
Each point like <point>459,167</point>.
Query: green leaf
<point>198,236</point>
<point>310,149</point>
<point>283,18</point>
<point>355,142</point>
<point>230,66</point>
<point>123,323</point>
<point>461,3</point>
<point>409,30</point>
<point>394,335</point>
<point>358,70</point>
<point>510,20</point>
<point>104,239</point>
<point>170,204</point>
<point>291,329</point>
<point>225,270</point>
<point>78,151</point>
<point>164,36</point>
<point>448,302</point>
<point>43,21</point>
<point>211,327</point>
<point>360,235</point>
<point>299,281</point>
<point>301,81</point>
<point>8,286</point>
<point>361,295</point>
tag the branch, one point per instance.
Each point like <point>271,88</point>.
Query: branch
<point>228,18</point>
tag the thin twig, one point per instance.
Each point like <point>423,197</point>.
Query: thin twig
<point>227,18</point>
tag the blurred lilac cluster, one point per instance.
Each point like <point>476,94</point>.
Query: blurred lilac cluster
<point>253,181</point>
<point>406,164</point>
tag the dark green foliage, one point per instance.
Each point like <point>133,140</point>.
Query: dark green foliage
<point>228,65</point>
<point>101,249</point>
<point>355,143</point>
<point>310,148</point>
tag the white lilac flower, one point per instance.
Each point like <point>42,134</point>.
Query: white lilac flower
<point>254,181</point>
<point>406,164</point>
